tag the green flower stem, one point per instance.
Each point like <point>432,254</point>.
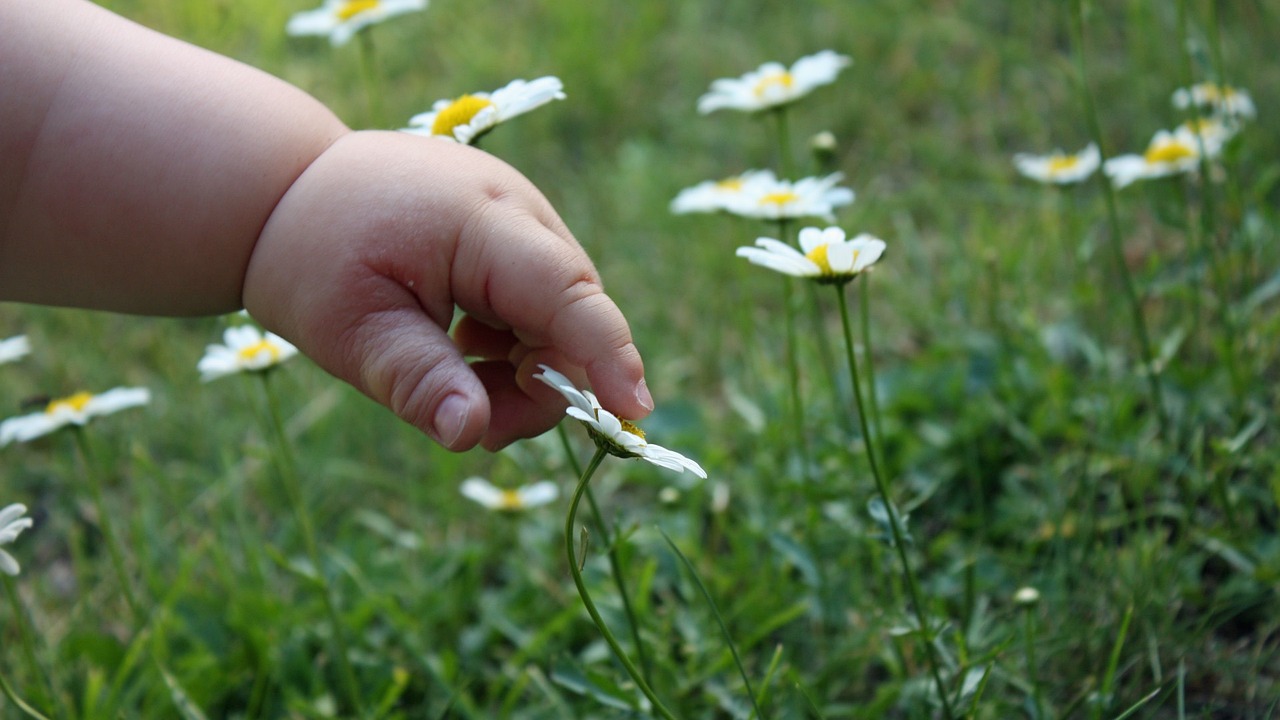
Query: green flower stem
<point>369,70</point>
<point>615,561</point>
<point>864,300</point>
<point>898,541</point>
<point>95,477</point>
<point>48,691</point>
<point>1029,637</point>
<point>288,471</point>
<point>1113,218</point>
<point>570,540</point>
<point>786,163</point>
<point>793,357</point>
<point>9,693</point>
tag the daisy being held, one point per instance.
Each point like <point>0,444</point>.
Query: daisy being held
<point>1058,167</point>
<point>712,196</point>
<point>11,525</point>
<point>768,198</point>
<point>340,20</point>
<point>1222,100</point>
<point>773,84</point>
<point>523,498</point>
<point>467,118</point>
<point>614,435</point>
<point>245,348</point>
<point>1169,153</point>
<point>828,257</point>
<point>75,410</point>
<point>14,348</point>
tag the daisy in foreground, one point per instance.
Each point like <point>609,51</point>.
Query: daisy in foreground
<point>523,498</point>
<point>74,410</point>
<point>340,20</point>
<point>773,84</point>
<point>14,348</point>
<point>245,348</point>
<point>467,118</point>
<point>613,435</point>
<point>11,525</point>
<point>827,258</point>
<point>1058,167</point>
<point>768,198</point>
<point>1168,153</point>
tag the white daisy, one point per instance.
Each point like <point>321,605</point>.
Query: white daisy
<point>1169,153</point>
<point>11,525</point>
<point>614,435</point>
<point>340,20</point>
<point>712,196</point>
<point>772,84</point>
<point>1059,167</point>
<point>245,349</point>
<point>768,198</point>
<point>14,348</point>
<point>827,256</point>
<point>466,118</point>
<point>522,498</point>
<point>75,409</point>
<point>1223,100</point>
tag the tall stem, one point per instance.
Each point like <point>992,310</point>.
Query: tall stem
<point>94,475</point>
<point>372,83</point>
<point>574,570</point>
<point>926,630</point>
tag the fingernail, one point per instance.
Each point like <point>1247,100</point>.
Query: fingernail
<point>451,419</point>
<point>642,395</point>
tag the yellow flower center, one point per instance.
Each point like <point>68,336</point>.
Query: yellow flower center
<point>1169,152</point>
<point>733,183</point>
<point>1062,163</point>
<point>779,198</point>
<point>819,257</point>
<point>631,428</point>
<point>249,352</point>
<point>782,80</point>
<point>458,113</point>
<point>352,8</point>
<point>74,403</point>
<point>510,500</point>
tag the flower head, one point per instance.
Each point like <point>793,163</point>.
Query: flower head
<point>11,525</point>
<point>245,348</point>
<point>342,19</point>
<point>712,196</point>
<point>773,84</point>
<point>75,409</point>
<point>1168,153</point>
<point>1222,100</point>
<point>768,198</point>
<point>618,437</point>
<point>1059,167</point>
<point>14,348</point>
<point>466,118</point>
<point>827,256</point>
<point>522,498</point>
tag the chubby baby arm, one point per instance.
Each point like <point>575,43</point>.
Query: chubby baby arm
<point>368,254</point>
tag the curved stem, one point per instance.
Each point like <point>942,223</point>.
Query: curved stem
<point>868,441</point>
<point>590,605</point>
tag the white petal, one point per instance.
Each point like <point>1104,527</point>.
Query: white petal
<point>483,492</point>
<point>11,513</point>
<point>539,493</point>
<point>14,348</point>
<point>117,399</point>
<point>8,565</point>
<point>28,427</point>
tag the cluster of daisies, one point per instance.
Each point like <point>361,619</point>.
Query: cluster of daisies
<point>1218,113</point>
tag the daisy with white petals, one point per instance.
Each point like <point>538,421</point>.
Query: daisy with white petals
<point>1169,153</point>
<point>1058,167</point>
<point>1222,100</point>
<point>614,435</point>
<point>340,20</point>
<point>827,256</point>
<point>75,410</point>
<point>14,348</point>
<point>506,500</point>
<point>245,348</point>
<point>11,525</point>
<point>773,84</point>
<point>712,196</point>
<point>467,118</point>
<point>767,198</point>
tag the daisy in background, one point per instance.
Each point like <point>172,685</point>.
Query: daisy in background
<point>1223,101</point>
<point>712,196</point>
<point>827,256</point>
<point>1058,167</point>
<point>768,198</point>
<point>1168,153</point>
<point>523,498</point>
<point>340,20</point>
<point>467,118</point>
<point>14,348</point>
<point>245,348</point>
<point>773,84</point>
<point>11,525</point>
<point>75,410</point>
<point>614,435</point>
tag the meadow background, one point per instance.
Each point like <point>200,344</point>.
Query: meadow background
<point>1017,429</point>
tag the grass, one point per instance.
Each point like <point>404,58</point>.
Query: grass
<point>1018,436</point>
